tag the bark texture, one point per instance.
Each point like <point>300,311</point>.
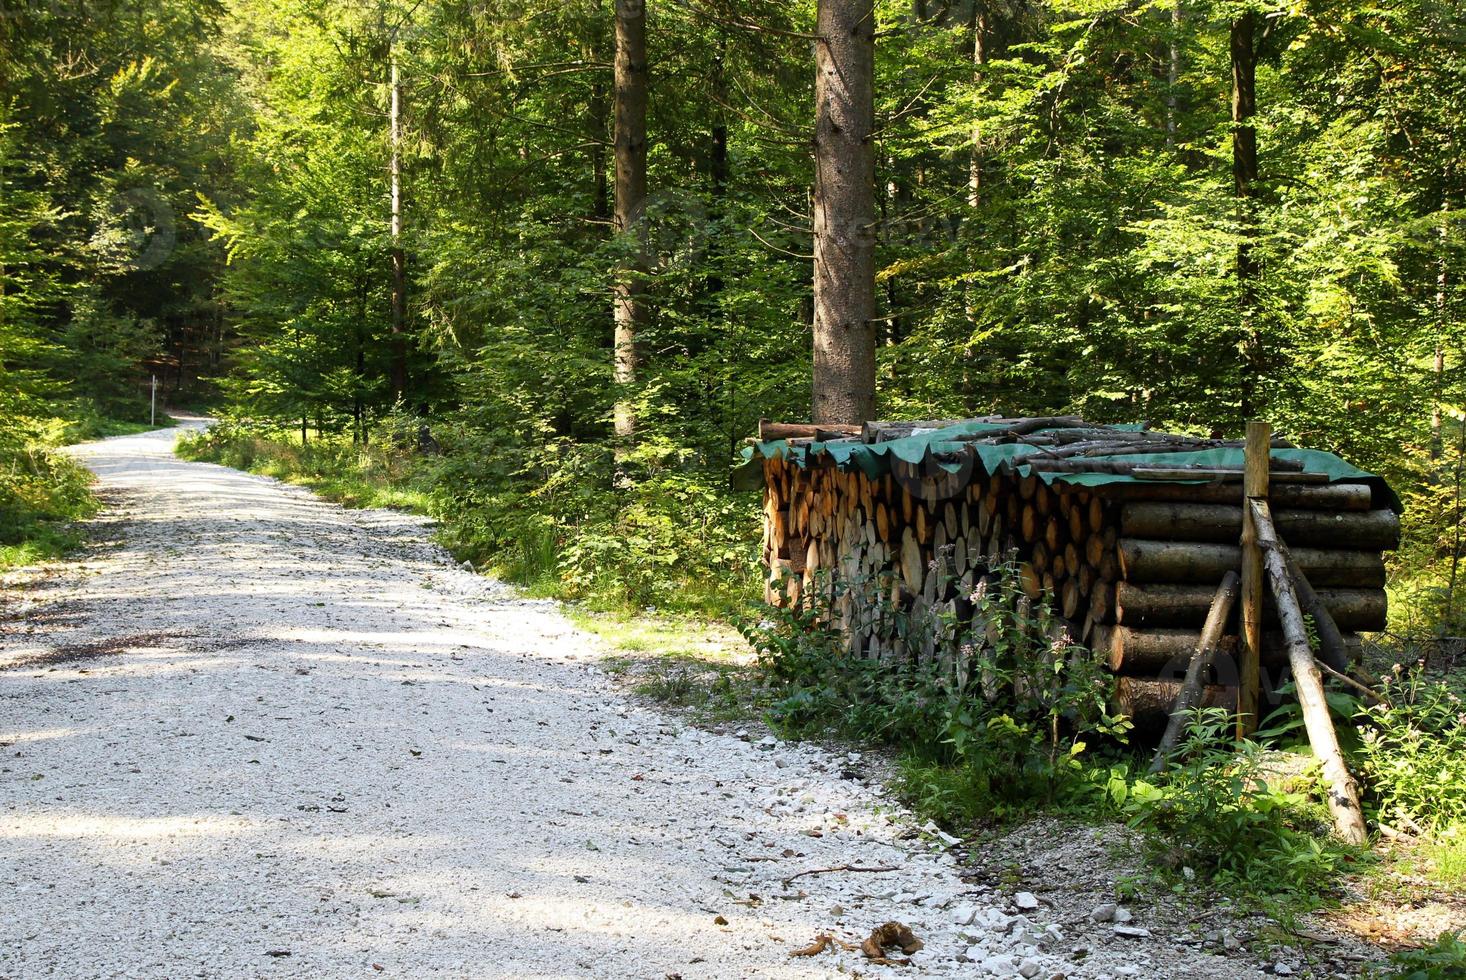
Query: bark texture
<point>1244,177</point>
<point>631,149</point>
<point>398,369</point>
<point>844,214</point>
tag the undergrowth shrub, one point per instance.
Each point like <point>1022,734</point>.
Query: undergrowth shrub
<point>996,719</point>
<point>992,716</point>
<point>1217,811</point>
<point>41,492</point>
<point>1445,959</point>
<point>1412,752</point>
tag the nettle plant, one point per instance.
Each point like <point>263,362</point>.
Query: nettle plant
<point>1412,752</point>
<point>987,677</point>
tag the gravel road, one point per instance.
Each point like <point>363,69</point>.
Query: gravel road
<point>254,734</point>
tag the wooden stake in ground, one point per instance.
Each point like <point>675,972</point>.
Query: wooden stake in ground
<point>1254,487</point>
<point>1200,666</point>
<point>1343,797</point>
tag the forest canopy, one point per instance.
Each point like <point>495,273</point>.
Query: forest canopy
<point>568,244</point>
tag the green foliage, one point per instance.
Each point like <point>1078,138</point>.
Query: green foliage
<point>41,493</point>
<point>1412,756</point>
<point>997,724</point>
<point>1008,707</point>
<point>1445,850</point>
<point>1445,959</point>
<point>1219,812</point>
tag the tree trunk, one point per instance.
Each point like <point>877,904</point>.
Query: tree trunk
<point>1192,689</point>
<point>597,110</point>
<point>1222,523</point>
<point>631,152</point>
<point>1437,442</point>
<point>1330,496</point>
<point>1173,71</point>
<point>719,171</point>
<point>979,58</point>
<point>398,369</point>
<point>1244,177</point>
<point>1161,604</point>
<point>1186,562</point>
<point>844,213</point>
<point>1164,653</point>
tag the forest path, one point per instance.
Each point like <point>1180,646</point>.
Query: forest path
<point>255,734</point>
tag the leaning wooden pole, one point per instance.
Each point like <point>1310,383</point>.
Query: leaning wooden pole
<point>1194,686</point>
<point>1331,647</point>
<point>1254,487</point>
<point>1343,796</point>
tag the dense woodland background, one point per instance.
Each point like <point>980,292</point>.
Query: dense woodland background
<point>201,191</point>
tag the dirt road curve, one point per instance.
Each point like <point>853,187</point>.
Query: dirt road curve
<point>259,735</point>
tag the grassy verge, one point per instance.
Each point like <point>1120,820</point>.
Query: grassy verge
<point>666,543</point>
<point>43,493</point>
<point>696,666</point>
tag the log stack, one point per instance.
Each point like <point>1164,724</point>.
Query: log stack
<point>1129,565</point>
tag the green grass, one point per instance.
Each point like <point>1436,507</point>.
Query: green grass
<point>44,543</point>
<point>1445,857</point>
<point>690,664</point>
<point>586,546</point>
<point>43,494</point>
<point>340,473</point>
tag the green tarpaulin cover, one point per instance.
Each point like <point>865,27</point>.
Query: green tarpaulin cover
<point>948,449</point>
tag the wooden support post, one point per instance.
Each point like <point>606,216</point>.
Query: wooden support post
<point>1194,688</point>
<point>1343,796</point>
<point>1254,487</point>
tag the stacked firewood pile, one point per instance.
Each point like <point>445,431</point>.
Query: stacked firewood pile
<point>1131,566</point>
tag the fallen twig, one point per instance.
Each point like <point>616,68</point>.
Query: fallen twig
<point>1364,689</point>
<point>838,867</point>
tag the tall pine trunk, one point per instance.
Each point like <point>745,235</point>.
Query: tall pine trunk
<point>398,368</point>
<point>598,111</point>
<point>1173,71</point>
<point>719,173</point>
<point>1442,322</point>
<point>979,59</point>
<point>844,213</point>
<point>631,151</point>
<point>1244,179</point>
